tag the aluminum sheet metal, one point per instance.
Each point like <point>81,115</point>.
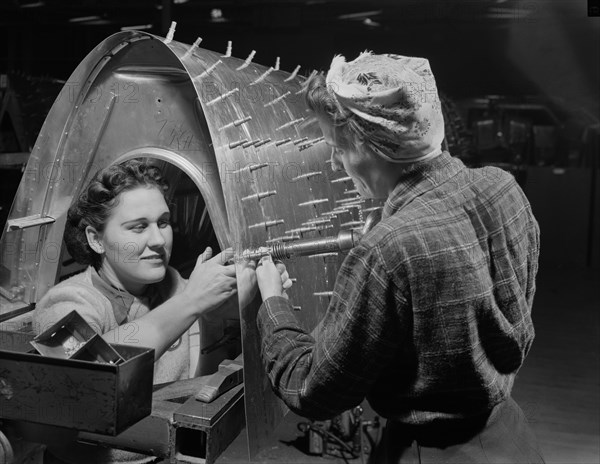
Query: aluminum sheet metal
<point>239,130</point>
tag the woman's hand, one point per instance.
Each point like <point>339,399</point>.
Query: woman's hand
<point>286,282</point>
<point>211,282</point>
<point>272,279</point>
<point>246,280</point>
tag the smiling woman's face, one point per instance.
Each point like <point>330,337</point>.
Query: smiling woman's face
<point>137,240</point>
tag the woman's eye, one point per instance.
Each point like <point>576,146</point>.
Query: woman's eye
<point>138,228</point>
<point>163,224</point>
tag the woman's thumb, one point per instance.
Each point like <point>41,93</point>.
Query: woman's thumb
<point>206,255</point>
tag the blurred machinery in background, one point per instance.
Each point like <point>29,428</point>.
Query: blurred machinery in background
<point>528,131</point>
<point>24,104</point>
<point>552,149</point>
<point>345,436</point>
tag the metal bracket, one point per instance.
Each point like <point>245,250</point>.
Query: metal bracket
<point>35,220</point>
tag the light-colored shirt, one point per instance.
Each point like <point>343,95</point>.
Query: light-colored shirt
<point>105,308</point>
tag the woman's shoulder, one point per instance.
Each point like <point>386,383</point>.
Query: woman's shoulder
<point>77,293</point>
<point>80,283</point>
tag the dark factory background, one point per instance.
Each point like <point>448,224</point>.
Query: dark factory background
<point>520,83</point>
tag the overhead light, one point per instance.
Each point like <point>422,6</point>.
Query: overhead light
<point>362,15</point>
<point>216,16</point>
<point>508,13</point>
<point>98,22</point>
<point>32,5</point>
<point>83,19</point>
<point>139,27</point>
<point>370,23</point>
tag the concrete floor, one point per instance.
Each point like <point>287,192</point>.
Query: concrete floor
<point>558,386</point>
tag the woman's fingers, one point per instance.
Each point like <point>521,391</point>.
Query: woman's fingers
<point>206,255</point>
<point>224,256</point>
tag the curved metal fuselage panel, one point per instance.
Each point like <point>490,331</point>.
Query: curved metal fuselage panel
<point>131,96</point>
<point>239,130</point>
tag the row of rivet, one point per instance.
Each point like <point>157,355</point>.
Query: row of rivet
<point>267,224</point>
<point>260,195</point>
<point>310,225</point>
<point>288,124</point>
<point>307,175</point>
<point>278,99</point>
<point>236,123</point>
<point>247,61</point>
<point>341,179</point>
<point>314,202</point>
<point>190,50</point>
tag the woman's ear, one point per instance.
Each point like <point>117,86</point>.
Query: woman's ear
<point>93,238</point>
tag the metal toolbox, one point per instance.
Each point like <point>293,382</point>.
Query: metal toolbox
<point>72,338</point>
<point>103,398</point>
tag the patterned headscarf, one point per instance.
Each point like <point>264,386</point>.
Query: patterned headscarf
<point>396,100</point>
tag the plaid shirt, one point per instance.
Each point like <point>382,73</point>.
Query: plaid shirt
<point>430,317</point>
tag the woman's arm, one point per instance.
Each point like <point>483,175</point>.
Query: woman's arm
<point>209,286</point>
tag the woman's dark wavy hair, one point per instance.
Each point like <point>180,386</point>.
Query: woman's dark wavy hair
<point>95,204</point>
